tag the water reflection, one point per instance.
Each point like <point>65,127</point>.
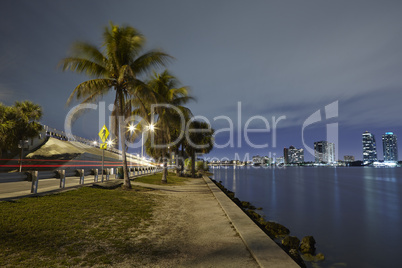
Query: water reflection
<point>354,213</point>
<point>234,179</point>
<point>273,189</point>
<point>337,200</point>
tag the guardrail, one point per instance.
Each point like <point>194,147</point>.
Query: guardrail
<point>35,176</point>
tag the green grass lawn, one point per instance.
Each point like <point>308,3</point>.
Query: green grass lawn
<point>84,227</point>
<point>172,179</point>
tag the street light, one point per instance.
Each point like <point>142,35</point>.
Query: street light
<point>131,128</point>
<point>109,143</point>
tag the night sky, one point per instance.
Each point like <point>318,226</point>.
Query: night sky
<point>277,58</point>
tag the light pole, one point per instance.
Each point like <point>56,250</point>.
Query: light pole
<point>142,146</point>
<point>150,127</point>
<point>131,128</point>
<point>22,153</point>
<point>109,143</point>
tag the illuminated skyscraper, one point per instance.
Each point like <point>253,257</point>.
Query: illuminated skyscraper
<point>390,147</point>
<point>324,152</point>
<point>292,155</point>
<point>369,148</point>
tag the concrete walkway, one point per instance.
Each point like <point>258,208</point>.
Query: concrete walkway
<point>203,200</point>
<point>264,250</point>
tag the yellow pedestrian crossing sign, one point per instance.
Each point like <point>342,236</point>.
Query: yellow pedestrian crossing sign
<point>103,134</point>
<point>103,146</point>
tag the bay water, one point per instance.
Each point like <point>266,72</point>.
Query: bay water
<point>354,213</point>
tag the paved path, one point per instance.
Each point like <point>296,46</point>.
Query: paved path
<point>190,223</point>
<point>214,232</point>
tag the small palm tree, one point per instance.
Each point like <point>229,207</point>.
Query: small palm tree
<point>118,67</point>
<point>199,140</point>
<point>178,148</point>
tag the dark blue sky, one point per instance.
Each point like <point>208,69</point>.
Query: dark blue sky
<point>278,58</point>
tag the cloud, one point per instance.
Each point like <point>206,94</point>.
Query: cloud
<point>377,108</point>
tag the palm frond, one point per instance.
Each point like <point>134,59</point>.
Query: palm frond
<point>88,51</point>
<point>122,43</point>
<point>182,100</point>
<point>150,60</point>
<point>82,65</point>
<point>89,89</point>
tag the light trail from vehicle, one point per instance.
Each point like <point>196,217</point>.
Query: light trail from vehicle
<point>56,160</point>
<point>63,163</point>
<point>32,166</point>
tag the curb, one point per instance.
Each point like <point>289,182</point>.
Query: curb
<point>264,250</point>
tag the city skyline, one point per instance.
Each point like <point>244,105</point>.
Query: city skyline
<point>325,151</point>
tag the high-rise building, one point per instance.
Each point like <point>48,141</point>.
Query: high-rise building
<point>324,152</point>
<point>369,148</point>
<point>285,155</point>
<point>292,155</point>
<point>390,147</point>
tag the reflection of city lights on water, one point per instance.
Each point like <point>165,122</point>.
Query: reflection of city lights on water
<point>385,179</point>
<point>385,164</point>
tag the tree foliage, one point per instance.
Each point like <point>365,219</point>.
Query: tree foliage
<point>18,122</point>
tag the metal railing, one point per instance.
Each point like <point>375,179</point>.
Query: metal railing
<point>84,175</point>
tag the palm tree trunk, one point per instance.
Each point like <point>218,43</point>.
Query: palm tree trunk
<point>193,164</point>
<point>164,173</point>
<point>177,161</point>
<point>182,159</point>
<point>127,183</point>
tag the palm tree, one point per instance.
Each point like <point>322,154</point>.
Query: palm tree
<point>169,124</point>
<point>199,140</point>
<point>118,66</point>
<point>179,148</point>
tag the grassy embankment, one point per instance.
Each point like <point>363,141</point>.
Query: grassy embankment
<point>84,227</point>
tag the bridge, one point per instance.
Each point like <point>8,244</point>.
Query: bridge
<point>56,161</point>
